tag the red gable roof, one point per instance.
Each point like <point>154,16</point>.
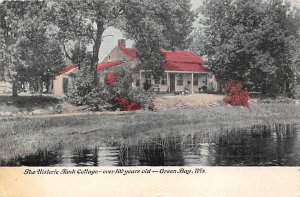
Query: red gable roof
<point>105,65</point>
<point>67,68</point>
<point>130,52</point>
<point>183,61</point>
<point>173,61</point>
<point>100,66</point>
<point>182,56</point>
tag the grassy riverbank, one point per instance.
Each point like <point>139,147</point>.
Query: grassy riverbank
<point>27,135</point>
<point>23,105</point>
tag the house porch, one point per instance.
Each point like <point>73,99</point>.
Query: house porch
<point>176,81</point>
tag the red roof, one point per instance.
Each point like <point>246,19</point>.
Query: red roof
<point>105,65</point>
<point>182,56</point>
<point>183,61</point>
<point>67,68</point>
<point>177,66</point>
<point>130,52</point>
<point>175,60</point>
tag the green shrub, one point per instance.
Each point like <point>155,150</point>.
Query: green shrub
<point>58,108</point>
<point>82,91</point>
<point>122,88</point>
<point>296,92</point>
<point>99,98</point>
<point>80,87</point>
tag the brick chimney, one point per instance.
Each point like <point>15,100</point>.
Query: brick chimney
<point>122,43</point>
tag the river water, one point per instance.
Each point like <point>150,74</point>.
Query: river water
<point>260,145</point>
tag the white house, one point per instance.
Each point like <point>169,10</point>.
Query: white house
<point>183,70</point>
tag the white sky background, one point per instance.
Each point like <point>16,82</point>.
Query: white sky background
<point>110,42</point>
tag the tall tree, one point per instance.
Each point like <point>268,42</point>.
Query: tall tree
<point>197,44</point>
<point>157,24</point>
<point>250,41</point>
<point>14,20</point>
<point>43,57</point>
<point>151,24</point>
<point>31,54</point>
<point>82,23</point>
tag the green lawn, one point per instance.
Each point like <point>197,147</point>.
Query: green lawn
<point>27,135</point>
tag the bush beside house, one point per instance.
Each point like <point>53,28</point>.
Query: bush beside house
<point>114,95</point>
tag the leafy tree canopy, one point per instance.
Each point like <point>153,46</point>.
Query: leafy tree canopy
<point>30,53</point>
<point>251,41</point>
<point>32,26</point>
<point>157,24</point>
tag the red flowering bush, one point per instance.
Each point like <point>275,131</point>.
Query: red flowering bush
<point>126,104</point>
<point>124,96</point>
<point>237,95</point>
<point>110,79</point>
<point>119,85</point>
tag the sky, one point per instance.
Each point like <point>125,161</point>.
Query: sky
<point>110,42</point>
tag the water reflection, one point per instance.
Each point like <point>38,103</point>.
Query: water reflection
<point>152,155</point>
<point>40,158</point>
<point>260,145</point>
<point>98,156</point>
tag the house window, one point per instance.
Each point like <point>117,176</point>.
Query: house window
<point>65,85</point>
<point>195,82</point>
<point>157,81</point>
<point>179,79</point>
<point>164,80</point>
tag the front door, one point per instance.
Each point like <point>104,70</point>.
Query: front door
<point>172,82</point>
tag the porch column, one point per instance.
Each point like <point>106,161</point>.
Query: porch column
<point>192,83</point>
<point>206,80</point>
<point>140,76</point>
<point>168,82</point>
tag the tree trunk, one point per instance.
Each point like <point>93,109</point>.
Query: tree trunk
<point>288,88</point>
<point>15,88</point>
<point>40,86</point>
<point>96,48</point>
<point>47,84</point>
<point>283,88</point>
